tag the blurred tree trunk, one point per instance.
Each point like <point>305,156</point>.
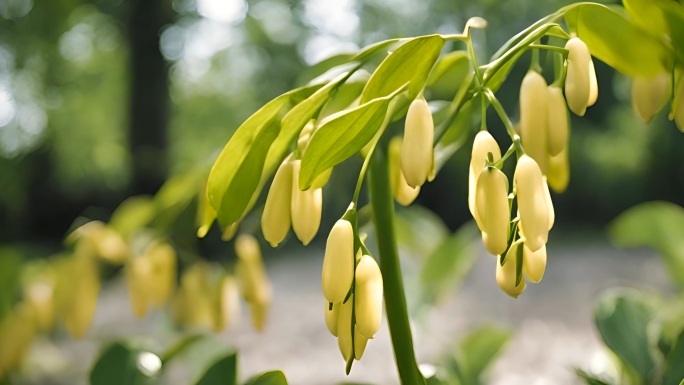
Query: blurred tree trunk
<point>149,108</point>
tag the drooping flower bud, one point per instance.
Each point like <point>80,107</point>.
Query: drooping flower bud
<point>229,303</point>
<point>678,114</point>
<point>416,149</point>
<point>558,122</point>
<point>649,95</point>
<point>304,137</point>
<point>532,203</point>
<point>533,117</point>
<point>259,315</point>
<point>332,316</point>
<point>77,292</point>
<point>506,274</point>
<point>577,80</point>
<point>593,84</point>
<point>275,220</point>
<point>492,207</point>
<point>193,304</point>
<point>344,329</point>
<point>559,172</point>
<point>534,263</point>
<point>39,296</point>
<point>403,193</point>
<point>138,276</point>
<point>483,144</point>
<point>360,343</point>
<point>338,263</point>
<point>368,291</point>
<point>306,208</point>
<point>17,331</point>
<point>250,268</point>
<point>549,204</point>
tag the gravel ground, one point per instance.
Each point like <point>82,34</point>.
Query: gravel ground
<point>552,322</point>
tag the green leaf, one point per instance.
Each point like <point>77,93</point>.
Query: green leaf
<point>614,40</point>
<point>117,365</point>
<point>659,225</point>
<point>369,50</point>
<point>324,66</point>
<point>446,267</point>
<point>411,63</point>
<point>622,317</point>
<point>648,16</point>
<point>10,271</point>
<point>448,74</point>
<point>419,230</point>
<point>244,157</point>
<point>275,377</point>
<point>344,95</point>
<point>674,14</point>
<point>223,372</point>
<point>341,137</point>
<point>518,265</point>
<point>174,196</point>
<point>588,378</point>
<point>132,214</point>
<point>180,347</point>
<point>674,364</point>
<point>478,350</point>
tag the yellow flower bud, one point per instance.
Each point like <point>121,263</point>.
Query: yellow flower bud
<point>649,95</point>
<point>344,329</point>
<point>229,303</point>
<point>39,295</point>
<point>338,263</point>
<point>549,204</point>
<point>322,179</point>
<point>306,208</point>
<point>558,122</point>
<point>678,114</point>
<point>506,274</point>
<point>593,84</point>
<point>250,268</point>
<point>577,80</point>
<point>483,144</point>
<point>205,213</point>
<point>416,149</point>
<point>193,303</point>
<point>403,193</point>
<point>533,117</point>
<point>77,292</point>
<point>360,343</point>
<point>140,283</point>
<point>259,315</point>
<point>368,291</point>
<point>17,330</point>
<point>162,259</point>
<point>304,137</point>
<point>492,207</point>
<point>332,316</point>
<point>275,220</point>
<point>559,172</point>
<point>532,203</point>
<point>534,263</point>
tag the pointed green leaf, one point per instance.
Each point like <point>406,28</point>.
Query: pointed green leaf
<point>659,225</point>
<point>341,137</point>
<point>588,378</point>
<point>275,377</point>
<point>117,365</point>
<point>411,62</point>
<point>674,364</point>
<point>478,350</point>
<point>622,317</point>
<point>614,40</point>
<point>223,372</point>
<point>133,213</point>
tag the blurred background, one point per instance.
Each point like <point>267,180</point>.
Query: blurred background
<point>104,99</point>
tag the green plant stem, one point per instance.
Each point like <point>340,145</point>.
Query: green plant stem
<point>395,301</point>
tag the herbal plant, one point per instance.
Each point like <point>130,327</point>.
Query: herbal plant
<point>300,136</point>
<point>357,109</point>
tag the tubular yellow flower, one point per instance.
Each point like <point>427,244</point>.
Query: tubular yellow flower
<point>532,203</point>
<point>193,304</point>
<point>483,144</point>
<point>534,110</point>
<point>253,281</point>
<point>332,316</point>
<point>78,288</point>
<point>17,330</point>
<point>559,172</point>
<point>306,208</point>
<point>275,220</point>
<point>492,207</point>
<point>558,122</point>
<point>577,80</point>
<point>403,193</point>
<point>593,84</point>
<point>368,292</point>
<point>649,95</point>
<point>534,263</point>
<point>140,283</point>
<point>229,303</point>
<point>163,275</point>
<point>39,296</point>
<point>338,263</point>
<point>360,343</point>
<point>679,106</point>
<point>549,204</point>
<point>416,149</point>
<point>259,315</point>
<point>344,329</point>
<point>505,275</point>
